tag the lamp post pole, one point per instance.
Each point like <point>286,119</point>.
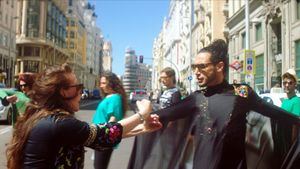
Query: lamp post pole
<point>9,47</point>
<point>191,43</point>
<point>9,74</point>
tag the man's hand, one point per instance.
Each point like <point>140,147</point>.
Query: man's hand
<point>12,99</point>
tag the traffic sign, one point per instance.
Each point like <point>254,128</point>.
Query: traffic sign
<point>190,78</point>
<point>249,62</point>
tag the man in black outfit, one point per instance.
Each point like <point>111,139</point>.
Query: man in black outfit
<point>218,111</point>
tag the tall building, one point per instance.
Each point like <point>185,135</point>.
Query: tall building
<point>107,56</point>
<point>274,36</point>
<point>189,26</point>
<point>137,75</point>
<point>41,34</point>
<point>7,41</point>
<point>76,37</point>
<point>94,46</point>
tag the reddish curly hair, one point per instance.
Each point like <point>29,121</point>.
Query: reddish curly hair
<point>28,78</point>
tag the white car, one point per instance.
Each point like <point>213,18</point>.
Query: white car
<point>138,94</point>
<point>6,113</point>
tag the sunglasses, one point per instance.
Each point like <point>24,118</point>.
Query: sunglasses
<point>288,82</point>
<point>200,66</point>
<point>79,87</point>
<point>23,85</point>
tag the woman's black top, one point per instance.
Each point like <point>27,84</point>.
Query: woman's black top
<point>59,142</point>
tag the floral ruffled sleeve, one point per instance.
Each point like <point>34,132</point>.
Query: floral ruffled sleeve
<point>102,136</point>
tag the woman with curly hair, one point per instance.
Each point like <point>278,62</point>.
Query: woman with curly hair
<point>111,109</point>
<point>49,136</point>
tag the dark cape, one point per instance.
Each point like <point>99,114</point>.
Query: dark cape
<point>217,117</point>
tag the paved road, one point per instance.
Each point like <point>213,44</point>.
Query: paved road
<point>119,158</point>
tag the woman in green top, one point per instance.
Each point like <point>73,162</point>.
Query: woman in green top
<point>111,109</point>
<point>25,83</point>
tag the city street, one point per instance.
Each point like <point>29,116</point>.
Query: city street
<point>119,158</point>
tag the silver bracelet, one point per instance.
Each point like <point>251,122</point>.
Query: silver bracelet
<point>142,119</point>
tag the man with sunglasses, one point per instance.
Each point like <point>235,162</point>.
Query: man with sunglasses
<point>285,134</point>
<point>218,114</point>
<point>292,103</point>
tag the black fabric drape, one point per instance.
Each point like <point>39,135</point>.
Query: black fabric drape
<point>218,116</point>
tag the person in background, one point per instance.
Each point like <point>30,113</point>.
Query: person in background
<point>292,103</point>
<point>156,148</point>
<point>285,134</point>
<point>26,81</point>
<point>111,109</point>
<point>24,85</point>
<point>48,135</point>
<point>171,93</point>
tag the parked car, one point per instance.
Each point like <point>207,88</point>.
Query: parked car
<point>138,94</point>
<point>96,94</point>
<point>6,113</point>
<point>259,138</point>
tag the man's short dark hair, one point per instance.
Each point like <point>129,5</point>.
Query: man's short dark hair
<point>219,52</point>
<point>170,73</point>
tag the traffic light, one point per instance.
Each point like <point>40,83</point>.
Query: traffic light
<point>141,59</point>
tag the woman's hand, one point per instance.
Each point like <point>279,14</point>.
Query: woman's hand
<point>144,107</point>
<point>150,124</point>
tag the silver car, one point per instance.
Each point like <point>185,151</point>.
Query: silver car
<point>6,113</point>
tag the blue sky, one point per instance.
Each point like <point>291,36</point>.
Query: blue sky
<point>133,23</point>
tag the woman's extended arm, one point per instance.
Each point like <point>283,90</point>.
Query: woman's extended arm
<point>141,122</point>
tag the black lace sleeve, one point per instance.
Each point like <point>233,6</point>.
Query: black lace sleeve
<point>103,136</point>
<point>73,131</point>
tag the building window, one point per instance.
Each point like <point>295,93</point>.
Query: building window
<point>243,40</point>
<point>72,34</point>
<point>72,23</point>
<point>71,45</point>
<point>70,2</point>
<point>31,66</point>
<point>297,47</point>
<point>298,9</point>
<point>33,18</point>
<point>258,32</point>
<point>259,72</point>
